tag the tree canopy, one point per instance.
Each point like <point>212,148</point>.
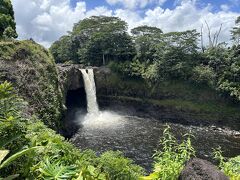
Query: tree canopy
<point>103,39</point>
<point>152,55</point>
<point>145,30</point>
<point>236,31</point>
<point>96,41</point>
<point>7,22</point>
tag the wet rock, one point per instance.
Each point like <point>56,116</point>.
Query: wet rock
<point>198,169</point>
<point>70,77</point>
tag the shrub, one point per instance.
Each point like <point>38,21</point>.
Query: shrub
<point>118,167</point>
<point>204,75</point>
<point>169,162</point>
<point>231,166</point>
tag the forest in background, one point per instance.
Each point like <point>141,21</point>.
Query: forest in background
<point>155,56</point>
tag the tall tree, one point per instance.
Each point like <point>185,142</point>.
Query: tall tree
<point>62,50</point>
<point>7,22</point>
<point>236,31</point>
<point>145,30</point>
<point>145,40</point>
<point>101,39</point>
<point>175,54</point>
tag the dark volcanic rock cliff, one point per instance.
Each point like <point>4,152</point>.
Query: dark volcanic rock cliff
<point>70,78</point>
<point>33,73</point>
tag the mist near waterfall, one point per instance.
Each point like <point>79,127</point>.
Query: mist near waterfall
<point>95,118</point>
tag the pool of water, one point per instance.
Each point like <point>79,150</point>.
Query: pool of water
<point>138,138</point>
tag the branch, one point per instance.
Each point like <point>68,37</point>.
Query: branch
<point>209,35</point>
<point>202,38</point>
<point>220,29</point>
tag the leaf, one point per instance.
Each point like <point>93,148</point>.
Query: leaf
<point>11,139</point>
<point>3,154</point>
<point>150,177</point>
<point>55,170</point>
<point>17,155</point>
<point>11,177</point>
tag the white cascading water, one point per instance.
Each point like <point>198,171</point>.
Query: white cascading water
<point>90,88</point>
<point>95,118</point>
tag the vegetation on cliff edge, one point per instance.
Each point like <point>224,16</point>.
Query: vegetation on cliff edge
<point>32,70</point>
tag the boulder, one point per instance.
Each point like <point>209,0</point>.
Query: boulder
<point>198,169</point>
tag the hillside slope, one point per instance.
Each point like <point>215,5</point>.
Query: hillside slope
<point>32,70</point>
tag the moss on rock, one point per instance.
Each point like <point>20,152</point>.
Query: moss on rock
<point>31,69</point>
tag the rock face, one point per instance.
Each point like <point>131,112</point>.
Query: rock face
<point>70,78</point>
<point>33,73</point>
<point>198,169</point>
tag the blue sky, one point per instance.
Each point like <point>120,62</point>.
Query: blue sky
<point>234,5</point>
<point>47,20</point>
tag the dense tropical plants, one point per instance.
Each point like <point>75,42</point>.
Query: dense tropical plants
<point>170,160</point>
<point>7,21</point>
<point>231,166</point>
<point>236,31</point>
<point>95,41</point>
<point>153,55</point>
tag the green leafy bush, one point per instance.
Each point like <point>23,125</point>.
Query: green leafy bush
<point>31,69</point>
<point>118,167</point>
<point>204,75</point>
<point>169,162</point>
<point>231,166</point>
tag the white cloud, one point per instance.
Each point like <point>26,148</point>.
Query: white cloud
<point>99,11</point>
<point>131,4</point>
<point>46,20</point>
<point>184,17</point>
<point>225,7</point>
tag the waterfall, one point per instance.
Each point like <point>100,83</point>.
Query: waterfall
<point>96,119</point>
<point>90,88</point>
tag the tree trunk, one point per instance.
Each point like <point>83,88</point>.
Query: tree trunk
<point>104,60</point>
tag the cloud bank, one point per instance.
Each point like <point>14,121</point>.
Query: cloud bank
<point>47,20</point>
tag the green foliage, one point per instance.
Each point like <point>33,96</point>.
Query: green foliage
<point>11,118</point>
<point>62,50</point>
<point>145,38</point>
<point>96,41</point>
<point>175,56</point>
<point>229,80</point>
<point>230,167</point>
<point>56,170</point>
<point>163,56</point>
<point>236,31</point>
<point>145,30</point>
<point>204,75</point>
<point>110,41</point>
<point>15,156</point>
<point>169,162</point>
<point>118,167</point>
<point>7,22</point>
<point>32,70</point>
<point>226,66</point>
<point>153,55</point>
